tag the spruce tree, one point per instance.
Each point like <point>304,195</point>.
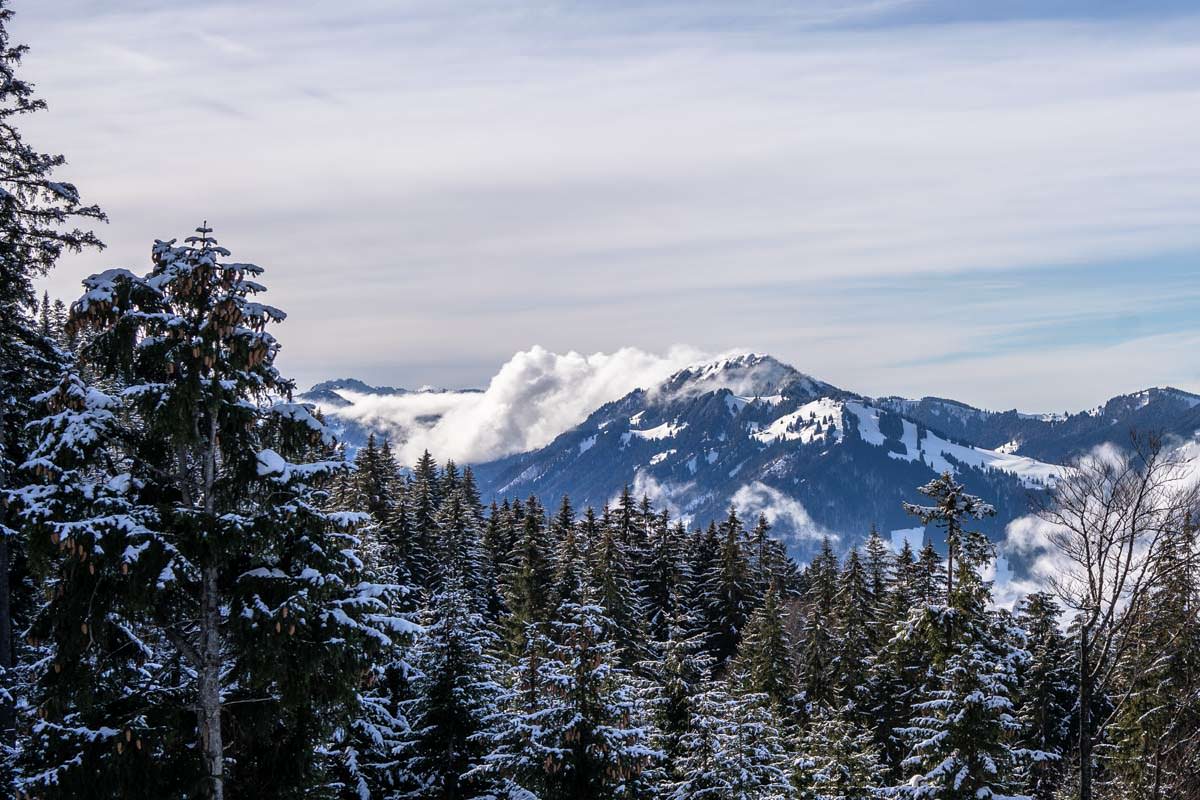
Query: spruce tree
<point>728,590</point>
<point>881,568</point>
<point>951,510</point>
<point>424,498</point>
<point>817,629</point>
<point>570,568</point>
<point>764,664</point>
<point>1047,694</point>
<point>528,584</point>
<point>734,750</point>
<point>854,642</point>
<point>455,691</point>
<point>1154,742</point>
<point>663,572</point>
<point>837,761</point>
<point>38,215</point>
<point>928,577</point>
<point>678,671</point>
<point>174,531</point>
<point>612,579</point>
<point>964,738</point>
<point>571,726</point>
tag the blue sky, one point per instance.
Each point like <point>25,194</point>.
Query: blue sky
<point>996,202</point>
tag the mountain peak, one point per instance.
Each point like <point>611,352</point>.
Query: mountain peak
<point>352,385</point>
<point>744,375</point>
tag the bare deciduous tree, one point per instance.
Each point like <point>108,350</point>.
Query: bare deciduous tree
<point>1110,519</point>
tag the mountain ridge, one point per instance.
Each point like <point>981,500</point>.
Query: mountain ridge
<point>815,458</point>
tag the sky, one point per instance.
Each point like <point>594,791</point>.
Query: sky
<point>995,202</point>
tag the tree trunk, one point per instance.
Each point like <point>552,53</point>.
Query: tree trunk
<point>7,712</point>
<point>1085,723</point>
<point>210,686</point>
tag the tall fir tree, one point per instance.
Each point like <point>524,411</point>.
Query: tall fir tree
<point>1047,694</point>
<point>571,727</point>
<point>175,532</point>
<point>854,641</point>
<point>1154,741</point>
<point>817,638</point>
<point>612,576</point>
<point>837,760</point>
<point>528,584</point>
<point>765,664</point>
<point>733,750</point>
<point>964,740</point>
<point>677,671</point>
<point>38,219</point>
<point>952,509</point>
<point>729,592</point>
<point>455,690</point>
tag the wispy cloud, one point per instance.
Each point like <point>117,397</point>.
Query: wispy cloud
<point>591,175</point>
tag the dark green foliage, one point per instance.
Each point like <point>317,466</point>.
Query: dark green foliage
<point>38,219</point>
<point>189,562</point>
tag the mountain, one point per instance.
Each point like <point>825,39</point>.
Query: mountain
<point>1058,437</point>
<point>333,394</point>
<point>817,459</point>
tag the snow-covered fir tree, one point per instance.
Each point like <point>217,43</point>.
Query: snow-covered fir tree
<point>765,663</point>
<point>836,760</point>
<point>734,749</point>
<point>455,689</point>
<point>964,737</point>
<point>1047,694</point>
<point>571,725</point>
<point>208,621</point>
<point>39,215</point>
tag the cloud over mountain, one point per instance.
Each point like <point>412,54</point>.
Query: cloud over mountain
<point>535,396</point>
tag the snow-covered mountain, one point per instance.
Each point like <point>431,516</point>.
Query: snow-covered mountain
<point>1059,437</point>
<point>753,431</point>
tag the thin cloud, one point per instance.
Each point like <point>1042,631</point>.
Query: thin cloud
<point>489,156</point>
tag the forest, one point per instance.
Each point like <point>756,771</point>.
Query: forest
<point>204,595</point>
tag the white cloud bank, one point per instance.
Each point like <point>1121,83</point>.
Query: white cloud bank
<point>535,396</point>
<point>781,511</point>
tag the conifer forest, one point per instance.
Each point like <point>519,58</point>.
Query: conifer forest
<point>205,593</point>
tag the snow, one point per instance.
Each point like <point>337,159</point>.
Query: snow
<point>1032,473</point>
<point>271,463</point>
<point>587,444</point>
<point>868,423</point>
<point>658,458</point>
<point>943,455</point>
<point>64,190</point>
<point>802,424</point>
<point>665,431</point>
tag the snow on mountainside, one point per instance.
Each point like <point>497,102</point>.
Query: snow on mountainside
<point>1058,437</point>
<point>818,460</point>
<point>753,431</point>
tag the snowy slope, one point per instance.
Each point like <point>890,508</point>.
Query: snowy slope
<point>753,431</point>
<point>757,433</point>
